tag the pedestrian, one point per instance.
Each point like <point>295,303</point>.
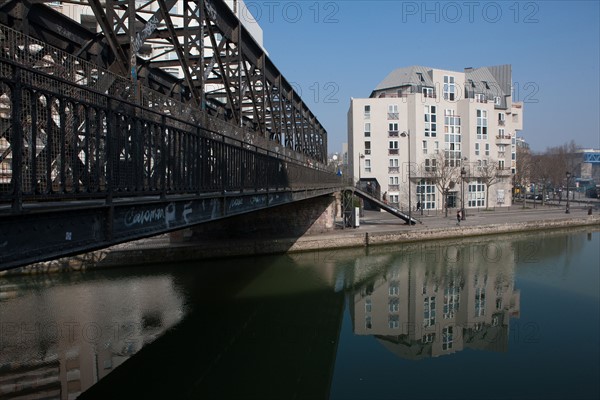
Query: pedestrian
<point>458,215</point>
<point>418,205</point>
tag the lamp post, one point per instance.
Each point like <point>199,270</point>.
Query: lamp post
<point>463,175</point>
<point>407,135</point>
<point>568,177</point>
<point>359,157</point>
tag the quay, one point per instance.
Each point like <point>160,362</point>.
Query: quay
<point>375,228</point>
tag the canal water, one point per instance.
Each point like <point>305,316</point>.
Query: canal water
<point>514,316</point>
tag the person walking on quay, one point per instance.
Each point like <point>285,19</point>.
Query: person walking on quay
<point>458,217</point>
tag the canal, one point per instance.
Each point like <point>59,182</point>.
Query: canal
<point>512,316</point>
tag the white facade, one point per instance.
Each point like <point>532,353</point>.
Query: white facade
<point>418,113</point>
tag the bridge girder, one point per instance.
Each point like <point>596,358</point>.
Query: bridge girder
<point>226,73</point>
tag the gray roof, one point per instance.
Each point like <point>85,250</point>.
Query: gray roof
<point>495,81</point>
<point>406,76</point>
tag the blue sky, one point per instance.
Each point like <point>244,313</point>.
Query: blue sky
<point>334,50</point>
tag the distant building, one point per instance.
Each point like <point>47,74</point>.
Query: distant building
<point>467,119</point>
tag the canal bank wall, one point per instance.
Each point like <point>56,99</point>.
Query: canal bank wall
<point>375,229</point>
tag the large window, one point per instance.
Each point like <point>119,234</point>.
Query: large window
<point>430,121</point>
<point>449,88</point>
<point>476,194</point>
<point>479,302</point>
<point>367,165</point>
<point>367,129</point>
<point>451,301</point>
<point>428,311</point>
<point>452,138</point>
<point>367,114</point>
<point>367,147</point>
<point>481,124</point>
<point>426,193</point>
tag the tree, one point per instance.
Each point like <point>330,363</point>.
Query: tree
<point>444,174</point>
<point>488,173</point>
<point>523,171</point>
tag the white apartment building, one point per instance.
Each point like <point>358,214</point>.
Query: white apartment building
<point>440,123</point>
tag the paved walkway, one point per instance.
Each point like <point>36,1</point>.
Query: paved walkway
<point>382,221</point>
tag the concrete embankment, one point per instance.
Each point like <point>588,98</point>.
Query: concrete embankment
<point>375,229</point>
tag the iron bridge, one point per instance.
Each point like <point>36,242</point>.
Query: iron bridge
<point>101,143</point>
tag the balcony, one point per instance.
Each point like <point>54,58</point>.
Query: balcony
<point>393,170</point>
<point>393,134</point>
<point>503,139</point>
<point>393,152</point>
<point>393,115</point>
<point>501,122</point>
<point>504,171</point>
<point>394,188</point>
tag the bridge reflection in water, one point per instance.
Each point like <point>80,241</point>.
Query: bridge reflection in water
<point>276,327</point>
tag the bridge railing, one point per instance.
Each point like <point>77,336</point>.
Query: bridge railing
<point>61,141</point>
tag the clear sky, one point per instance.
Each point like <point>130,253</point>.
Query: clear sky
<point>331,51</point>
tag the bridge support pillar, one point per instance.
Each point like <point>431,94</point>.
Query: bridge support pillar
<point>306,217</point>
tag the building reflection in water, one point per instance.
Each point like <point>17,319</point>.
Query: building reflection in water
<point>436,300</point>
<point>58,339</point>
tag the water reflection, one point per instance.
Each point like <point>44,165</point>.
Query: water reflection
<point>277,327</point>
<point>58,338</point>
<point>435,300</point>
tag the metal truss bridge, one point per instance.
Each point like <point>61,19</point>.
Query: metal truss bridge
<point>120,134</point>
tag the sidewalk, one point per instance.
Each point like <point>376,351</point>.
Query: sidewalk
<point>381,221</point>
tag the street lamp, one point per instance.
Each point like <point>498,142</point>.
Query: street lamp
<point>568,177</point>
<point>407,135</point>
<point>359,157</point>
<point>463,175</point>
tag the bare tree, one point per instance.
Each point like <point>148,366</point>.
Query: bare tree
<point>443,174</point>
<point>488,173</point>
<point>523,171</point>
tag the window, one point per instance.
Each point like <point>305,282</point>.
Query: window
<point>367,129</point>
<point>451,301</point>
<point>394,288</point>
<point>367,147</point>
<point>424,146</point>
<point>426,192</point>
<point>428,92</point>
<point>394,321</point>
<point>497,100</point>
<point>428,338</point>
<point>367,165</point>
<point>394,198</point>
<point>480,98</point>
<point>501,164</point>
<point>393,166</point>
<point>393,180</point>
<point>476,194</point>
<point>393,127</point>
<point>428,311</point>
<point>487,150</point>
<point>481,124</point>
<point>394,305</point>
<point>501,133</point>
<point>501,119</point>
<point>393,149</point>
<point>449,88</point>
<point>476,149</point>
<point>368,323</point>
<point>393,111</point>
<point>447,338</point>
<point>479,302</point>
<point>452,138</point>
<point>367,111</point>
<point>430,121</point>
<point>368,305</point>
<point>420,76</point>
